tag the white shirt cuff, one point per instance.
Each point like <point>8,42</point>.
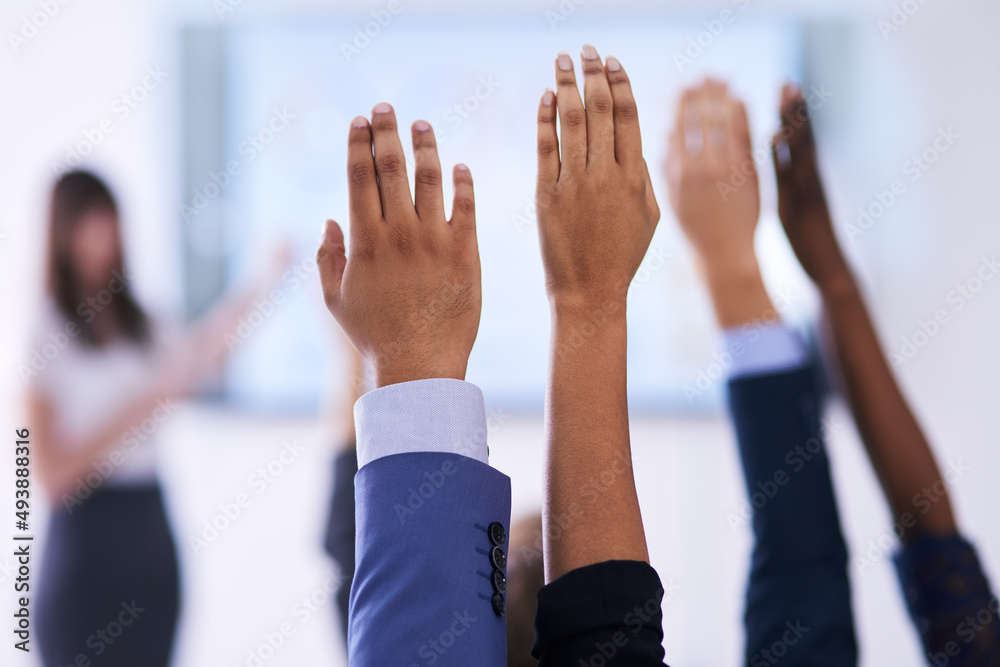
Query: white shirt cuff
<point>763,350</point>
<point>438,415</point>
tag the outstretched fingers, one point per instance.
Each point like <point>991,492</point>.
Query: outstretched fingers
<point>628,140</point>
<point>572,115</point>
<point>362,183</point>
<point>689,129</point>
<point>428,196</point>
<point>796,125</point>
<point>599,106</point>
<point>548,139</point>
<point>463,209</point>
<point>716,121</point>
<point>390,165</point>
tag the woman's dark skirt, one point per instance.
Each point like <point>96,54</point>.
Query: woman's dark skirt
<point>109,585</point>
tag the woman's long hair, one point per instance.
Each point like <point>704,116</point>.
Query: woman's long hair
<point>76,194</point>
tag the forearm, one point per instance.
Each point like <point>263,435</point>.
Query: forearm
<point>899,452</point>
<point>590,516</point>
<point>798,569</point>
<point>432,520</point>
<point>737,291</point>
<point>210,335</point>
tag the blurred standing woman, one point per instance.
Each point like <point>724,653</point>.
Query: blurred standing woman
<point>109,584</point>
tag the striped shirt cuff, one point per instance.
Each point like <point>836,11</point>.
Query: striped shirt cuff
<point>763,350</point>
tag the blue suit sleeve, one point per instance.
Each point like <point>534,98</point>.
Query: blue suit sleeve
<point>428,566</point>
<point>339,538</point>
<point>798,605</point>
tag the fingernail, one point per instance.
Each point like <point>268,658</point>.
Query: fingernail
<point>461,167</point>
<point>589,52</point>
<point>784,155</point>
<point>693,140</point>
<point>421,126</point>
<point>565,62</point>
<point>549,98</point>
<point>612,64</point>
<point>359,122</point>
<point>382,107</point>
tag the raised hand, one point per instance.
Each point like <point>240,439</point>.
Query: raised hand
<point>896,445</point>
<point>711,175</point>
<point>596,208</point>
<point>408,296</point>
<point>801,202</point>
<point>596,217</point>
<point>714,193</point>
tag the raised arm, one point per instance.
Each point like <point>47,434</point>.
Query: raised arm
<point>896,445</point>
<point>64,458</point>
<point>596,217</point>
<point>709,143</point>
<point>62,464</point>
<point>798,595</point>
<point>432,516</point>
<point>942,579</point>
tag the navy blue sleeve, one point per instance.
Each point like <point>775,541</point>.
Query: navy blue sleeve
<point>431,560</point>
<point>339,539</point>
<point>949,599</point>
<point>603,614</point>
<point>798,607</point>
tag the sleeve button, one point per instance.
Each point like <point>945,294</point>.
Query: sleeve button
<point>498,534</point>
<point>499,581</point>
<point>499,604</point>
<point>498,558</point>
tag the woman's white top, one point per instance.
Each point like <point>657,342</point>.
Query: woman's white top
<point>86,387</point>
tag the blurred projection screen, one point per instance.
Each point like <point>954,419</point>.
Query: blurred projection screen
<point>291,90</point>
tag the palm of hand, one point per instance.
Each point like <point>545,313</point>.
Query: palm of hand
<point>801,201</point>
<point>711,175</point>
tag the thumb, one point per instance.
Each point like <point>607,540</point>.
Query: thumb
<point>651,205</point>
<point>332,260</point>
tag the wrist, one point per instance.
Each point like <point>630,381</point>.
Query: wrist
<point>397,371</point>
<point>730,268</point>
<point>838,287</point>
<point>579,310</point>
<point>593,333</point>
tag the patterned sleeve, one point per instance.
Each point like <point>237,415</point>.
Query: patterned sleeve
<point>949,599</point>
